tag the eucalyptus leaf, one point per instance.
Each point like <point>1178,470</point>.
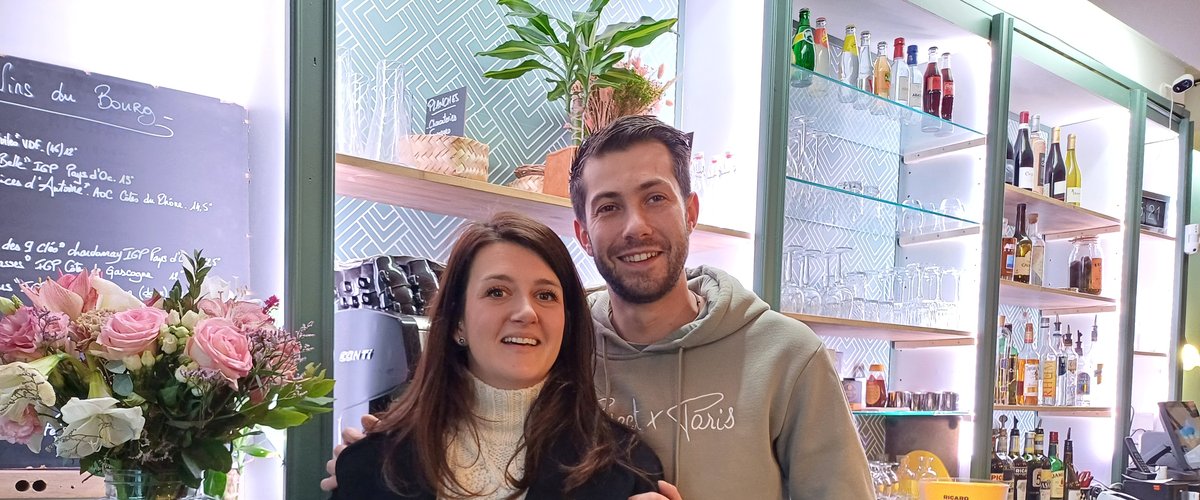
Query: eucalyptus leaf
<point>114,366</point>
<point>123,384</point>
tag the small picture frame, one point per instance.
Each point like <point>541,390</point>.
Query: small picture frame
<point>1154,211</point>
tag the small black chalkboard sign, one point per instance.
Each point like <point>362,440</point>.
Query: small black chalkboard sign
<point>446,114</point>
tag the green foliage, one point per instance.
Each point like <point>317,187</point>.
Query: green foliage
<point>585,60</point>
<point>195,272</point>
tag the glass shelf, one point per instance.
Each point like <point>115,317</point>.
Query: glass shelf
<point>873,121</point>
<point>1062,411</point>
<point>896,412</point>
<point>854,211</point>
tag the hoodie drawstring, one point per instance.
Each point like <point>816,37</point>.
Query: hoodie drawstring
<point>604,364</point>
<point>678,403</point>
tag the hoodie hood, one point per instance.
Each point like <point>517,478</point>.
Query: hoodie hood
<point>728,308</point>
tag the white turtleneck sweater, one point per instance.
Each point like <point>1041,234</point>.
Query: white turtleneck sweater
<point>500,424</point>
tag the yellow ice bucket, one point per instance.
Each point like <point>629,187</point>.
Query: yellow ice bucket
<point>963,489</point>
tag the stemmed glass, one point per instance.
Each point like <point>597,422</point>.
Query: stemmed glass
<point>929,294</point>
<point>792,297</point>
<point>857,282</point>
<point>948,296</point>
<point>910,216</point>
<point>796,147</point>
<point>811,290</point>
<point>837,296</point>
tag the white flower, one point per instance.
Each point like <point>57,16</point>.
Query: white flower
<point>190,319</point>
<point>96,423</point>
<point>216,288</point>
<point>22,384</point>
<point>173,318</point>
<point>112,297</point>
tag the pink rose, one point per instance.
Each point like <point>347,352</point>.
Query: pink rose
<point>248,316</point>
<point>130,332</point>
<point>21,336</point>
<point>28,431</point>
<point>217,344</point>
<point>213,308</point>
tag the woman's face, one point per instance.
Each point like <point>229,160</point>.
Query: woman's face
<point>514,316</point>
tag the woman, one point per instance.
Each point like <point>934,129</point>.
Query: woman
<point>502,405</point>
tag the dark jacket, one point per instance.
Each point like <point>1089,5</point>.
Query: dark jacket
<point>360,476</point>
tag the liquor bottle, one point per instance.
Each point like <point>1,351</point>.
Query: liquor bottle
<point>1074,191</point>
<point>900,78</point>
<point>849,66</point>
<point>933,93</point>
<point>1008,252</point>
<point>822,62</point>
<point>1040,476</point>
<point>947,88</point>
<point>866,70</point>
<point>1010,168</point>
<point>1020,462</point>
<point>1003,370</point>
<point>882,72</point>
<point>1055,170</point>
<point>1070,474</point>
<point>916,80</point>
<point>1033,468</point>
<point>1083,376</point>
<point>1031,365</point>
<point>1037,262</point>
<point>1023,159</point>
<point>1002,467</point>
<point>1049,367</point>
<point>1037,140</point>
<point>1067,381</point>
<point>1011,355</point>
<point>1055,486</point>
<point>1024,254</point>
<point>802,43</point>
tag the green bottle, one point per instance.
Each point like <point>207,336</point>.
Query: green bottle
<point>1057,483</point>
<point>803,53</point>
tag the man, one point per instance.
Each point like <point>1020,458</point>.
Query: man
<point>738,401</point>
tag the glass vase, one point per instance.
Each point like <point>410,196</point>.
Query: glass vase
<point>138,484</point>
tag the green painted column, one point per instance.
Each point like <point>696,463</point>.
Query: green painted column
<point>772,148</point>
<point>308,223</point>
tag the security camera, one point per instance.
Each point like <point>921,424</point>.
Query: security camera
<point>1183,83</point>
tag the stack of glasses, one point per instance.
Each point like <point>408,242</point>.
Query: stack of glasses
<point>913,294</point>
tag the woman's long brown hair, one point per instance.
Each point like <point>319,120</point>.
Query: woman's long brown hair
<point>438,402</point>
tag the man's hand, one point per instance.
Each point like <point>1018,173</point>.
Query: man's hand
<point>666,491</point>
<point>350,436</point>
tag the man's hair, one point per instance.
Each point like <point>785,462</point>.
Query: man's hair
<point>622,134</point>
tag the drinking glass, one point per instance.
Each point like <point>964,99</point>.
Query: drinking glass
<point>791,297</point>
<point>811,289</point>
<point>796,147</point>
<point>850,217</point>
<point>953,207</point>
<point>388,137</point>
<point>949,291</point>
<point>857,283</point>
<point>837,296</point>
<point>351,120</point>
<point>910,217</point>
<point>929,294</point>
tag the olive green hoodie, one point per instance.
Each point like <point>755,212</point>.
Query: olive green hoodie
<point>742,403</point>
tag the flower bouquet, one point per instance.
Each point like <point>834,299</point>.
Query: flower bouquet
<point>151,395</point>
<point>640,94</point>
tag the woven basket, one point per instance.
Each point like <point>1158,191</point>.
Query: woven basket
<point>529,178</point>
<point>450,155</point>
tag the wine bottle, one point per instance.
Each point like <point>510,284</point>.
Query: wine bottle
<point>1037,140</point>
<point>1020,470</point>
<point>1010,169</point>
<point>1071,475</point>
<point>1037,263</point>
<point>1024,249</point>
<point>1074,178</point>
<point>1056,484</point>
<point>1023,159</point>
<point>1055,169</point>
<point>1008,252</point>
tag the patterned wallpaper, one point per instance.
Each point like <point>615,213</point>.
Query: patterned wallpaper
<point>436,41</point>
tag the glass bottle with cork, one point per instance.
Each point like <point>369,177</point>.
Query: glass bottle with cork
<point>1055,486</point>
<point>1037,261</point>
<point>1086,269</point>
<point>1008,251</point>
<point>1074,490</point>
<point>1001,467</point>
<point>1029,364</point>
<point>1018,461</point>
<point>1049,366</point>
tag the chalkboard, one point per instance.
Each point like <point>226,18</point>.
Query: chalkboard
<point>446,114</point>
<point>102,173</point>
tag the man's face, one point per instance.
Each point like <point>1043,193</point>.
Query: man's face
<point>637,224</point>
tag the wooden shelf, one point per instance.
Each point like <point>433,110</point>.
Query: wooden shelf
<point>1058,220</point>
<point>1053,299</point>
<point>471,199</point>
<point>925,337</point>
<point>1060,411</point>
<point>1150,354</point>
<point>894,412</point>
<point>1155,234</point>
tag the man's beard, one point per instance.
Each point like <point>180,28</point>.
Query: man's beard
<point>640,288</point>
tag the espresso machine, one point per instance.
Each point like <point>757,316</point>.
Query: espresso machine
<point>379,330</point>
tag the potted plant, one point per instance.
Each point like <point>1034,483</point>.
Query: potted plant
<point>575,58</point>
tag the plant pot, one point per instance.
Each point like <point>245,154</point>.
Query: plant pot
<point>558,172</point>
